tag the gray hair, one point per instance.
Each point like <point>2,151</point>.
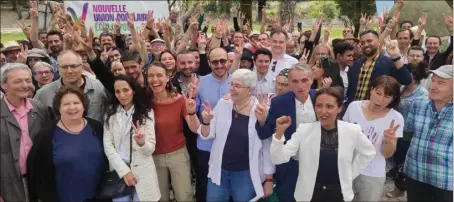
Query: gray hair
<point>42,64</point>
<point>12,66</point>
<point>301,67</point>
<point>249,77</point>
<point>79,59</point>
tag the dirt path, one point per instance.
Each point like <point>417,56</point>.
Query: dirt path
<point>9,18</point>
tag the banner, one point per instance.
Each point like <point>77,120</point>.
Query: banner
<point>100,14</point>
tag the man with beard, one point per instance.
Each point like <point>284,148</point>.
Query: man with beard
<point>343,53</point>
<point>186,66</point>
<point>55,46</point>
<point>132,64</point>
<point>365,70</point>
<point>71,69</point>
<point>106,40</point>
<point>212,87</point>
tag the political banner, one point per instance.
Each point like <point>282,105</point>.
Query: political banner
<point>103,14</point>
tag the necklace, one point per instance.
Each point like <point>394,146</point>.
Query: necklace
<point>72,132</point>
<point>236,109</point>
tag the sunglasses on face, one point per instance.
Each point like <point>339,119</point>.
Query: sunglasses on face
<point>216,62</point>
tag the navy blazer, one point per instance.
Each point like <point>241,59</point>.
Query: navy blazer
<point>383,66</point>
<point>282,105</point>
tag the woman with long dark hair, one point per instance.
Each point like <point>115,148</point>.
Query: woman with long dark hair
<point>171,156</point>
<point>128,115</point>
<point>326,74</point>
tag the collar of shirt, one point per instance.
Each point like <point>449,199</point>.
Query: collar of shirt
<point>124,112</point>
<point>28,105</point>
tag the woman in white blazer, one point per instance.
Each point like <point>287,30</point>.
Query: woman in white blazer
<point>128,115</point>
<point>239,166</point>
<point>331,152</point>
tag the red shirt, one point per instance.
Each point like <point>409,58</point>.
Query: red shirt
<point>169,126</point>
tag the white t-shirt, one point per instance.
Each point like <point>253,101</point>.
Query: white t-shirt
<point>374,132</point>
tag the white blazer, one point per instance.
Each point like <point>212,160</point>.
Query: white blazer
<point>355,152</point>
<point>142,164</point>
<point>259,158</point>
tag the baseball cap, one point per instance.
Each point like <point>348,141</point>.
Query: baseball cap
<point>444,71</point>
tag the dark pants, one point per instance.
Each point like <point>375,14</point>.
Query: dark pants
<point>191,146</point>
<point>418,191</point>
<point>331,193</point>
<point>202,175</point>
<point>286,176</point>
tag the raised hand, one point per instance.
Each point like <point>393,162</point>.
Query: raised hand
<point>422,21</point>
<point>390,133</point>
<point>201,43</point>
<point>400,4</point>
<point>207,114</point>
<point>193,87</point>
<point>22,55</point>
<point>24,28</point>
<point>363,19</point>
<point>118,26</point>
<point>131,20</point>
<point>304,57</point>
<point>33,9</point>
<point>261,109</point>
<point>130,179</point>
<point>139,137</point>
<point>105,55</point>
<point>282,123</point>
<point>150,19</point>
<point>391,23</point>
<point>190,103</point>
<point>392,48</point>
<point>448,22</point>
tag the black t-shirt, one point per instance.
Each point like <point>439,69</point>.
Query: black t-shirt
<point>328,171</point>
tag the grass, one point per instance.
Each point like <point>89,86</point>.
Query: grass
<point>336,32</point>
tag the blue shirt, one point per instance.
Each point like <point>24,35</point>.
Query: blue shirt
<point>79,164</point>
<point>429,158</point>
<point>211,89</point>
<point>405,102</point>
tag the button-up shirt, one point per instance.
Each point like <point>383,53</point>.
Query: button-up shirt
<point>265,85</point>
<point>304,114</point>
<point>285,62</point>
<point>25,141</point>
<point>125,119</point>
<point>211,89</point>
<point>429,158</point>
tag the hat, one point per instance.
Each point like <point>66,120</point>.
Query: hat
<point>157,40</point>
<point>256,33</point>
<point>444,71</point>
<point>350,36</point>
<point>247,54</point>
<point>284,72</point>
<point>36,52</point>
<point>10,45</point>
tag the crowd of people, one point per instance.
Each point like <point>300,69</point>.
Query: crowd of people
<point>175,113</point>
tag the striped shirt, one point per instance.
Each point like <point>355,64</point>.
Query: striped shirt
<point>429,158</point>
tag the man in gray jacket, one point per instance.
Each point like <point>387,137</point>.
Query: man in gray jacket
<point>20,121</point>
<point>71,69</point>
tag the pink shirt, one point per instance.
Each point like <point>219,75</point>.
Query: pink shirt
<point>25,141</point>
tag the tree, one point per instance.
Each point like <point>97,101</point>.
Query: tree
<point>171,3</point>
<point>261,4</point>
<point>350,12</point>
<point>328,8</point>
<point>287,11</point>
<point>449,3</point>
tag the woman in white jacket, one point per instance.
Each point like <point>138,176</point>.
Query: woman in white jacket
<point>331,152</point>
<point>128,115</point>
<point>239,166</point>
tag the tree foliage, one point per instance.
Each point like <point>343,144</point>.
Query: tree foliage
<point>328,8</point>
<point>350,12</point>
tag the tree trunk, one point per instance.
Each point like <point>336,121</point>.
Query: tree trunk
<point>224,6</point>
<point>449,3</point>
<point>17,7</point>
<point>262,4</point>
<point>287,11</point>
<point>246,8</point>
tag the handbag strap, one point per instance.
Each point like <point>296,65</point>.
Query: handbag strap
<point>130,146</point>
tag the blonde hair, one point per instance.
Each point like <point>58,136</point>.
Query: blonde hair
<point>316,49</point>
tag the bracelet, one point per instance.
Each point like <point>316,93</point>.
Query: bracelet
<point>203,123</point>
<point>191,114</point>
<point>148,28</point>
<point>269,180</point>
<point>396,59</point>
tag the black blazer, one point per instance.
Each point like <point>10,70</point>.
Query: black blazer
<point>40,166</point>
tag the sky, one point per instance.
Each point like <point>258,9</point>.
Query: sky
<point>383,4</point>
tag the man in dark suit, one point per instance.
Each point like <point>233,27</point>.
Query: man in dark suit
<point>298,104</point>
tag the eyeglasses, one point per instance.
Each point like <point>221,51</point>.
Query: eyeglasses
<point>42,73</point>
<point>279,84</point>
<point>236,86</point>
<point>216,62</point>
<point>73,66</point>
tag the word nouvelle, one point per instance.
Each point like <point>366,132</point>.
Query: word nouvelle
<point>110,13</point>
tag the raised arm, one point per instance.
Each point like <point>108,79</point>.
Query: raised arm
<point>280,152</point>
<point>34,36</point>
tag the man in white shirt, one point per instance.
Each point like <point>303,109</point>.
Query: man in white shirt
<point>265,83</point>
<point>343,52</point>
<point>280,59</point>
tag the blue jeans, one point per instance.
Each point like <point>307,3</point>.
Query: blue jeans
<point>134,198</point>
<point>237,184</point>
